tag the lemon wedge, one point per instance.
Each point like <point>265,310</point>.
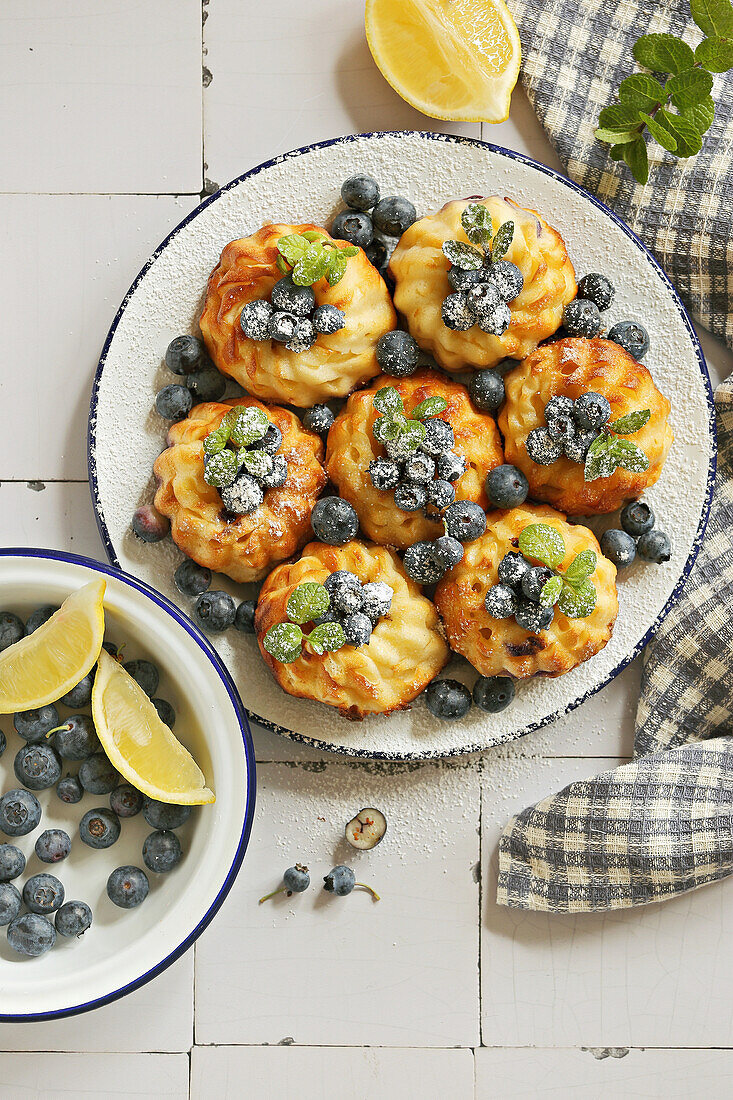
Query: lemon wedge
<point>139,744</point>
<point>450,59</point>
<point>53,659</point>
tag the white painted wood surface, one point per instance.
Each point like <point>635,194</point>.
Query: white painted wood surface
<point>434,992</point>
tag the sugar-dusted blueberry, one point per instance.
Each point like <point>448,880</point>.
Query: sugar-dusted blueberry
<point>542,448</point>
<point>99,828</point>
<point>10,903</point>
<point>174,402</point>
<point>98,775</point>
<point>70,790</point>
<point>460,278</point>
<point>12,862</point>
<point>450,466</point>
<point>165,815</point>
<point>618,547</point>
<point>512,569</point>
<point>506,486</point>
<point>183,354</point>
<point>288,297</point>
<point>243,496</point>
<point>145,673</point>
<point>654,546</point>
<point>278,475</point>
<point>534,580</point>
<point>576,446</point>
<point>591,411</point>
<point>581,318</point>
<point>597,288</point>
<point>318,419</point>
<point>304,336</point>
<point>244,617</point>
<point>334,521</point>
<point>206,385</point>
<point>40,616</point>
<point>76,738</point>
<point>53,845</point>
<point>43,893</point>
<point>33,725</point>
<point>354,226</point>
<point>637,518</point>
<point>419,468</point>
<point>270,442</point>
<point>361,192</point>
<point>191,579</point>
<point>384,473</point>
<point>506,277</point>
<point>393,215</point>
<point>500,601</point>
<point>328,319</point>
<point>31,934</point>
<point>483,299</point>
<point>464,520</point>
<point>340,579</point>
<point>37,767</point>
<point>73,919</point>
<point>559,407</point>
<point>449,551</point>
<point>448,699</point>
<point>497,321</point>
<point>11,629</point>
<point>127,887</point>
<point>486,390</point>
<point>149,525</point>
<point>214,612</point>
<point>456,312</point>
<point>377,599</point>
<point>281,327</point>
<point>632,337</point>
<point>254,320</point>
<point>441,493</point>
<point>493,693</point>
<point>162,851</point>
<point>126,800</point>
<point>423,564</point>
<point>81,694</point>
<point>357,628</point>
<point>345,597</point>
<point>20,812</point>
<point>562,429</point>
<point>530,616</point>
<point>439,437</point>
<point>397,354</point>
<point>410,497</point>
<point>166,711</point>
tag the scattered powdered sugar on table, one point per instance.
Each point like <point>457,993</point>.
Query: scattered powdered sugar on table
<point>128,434</point>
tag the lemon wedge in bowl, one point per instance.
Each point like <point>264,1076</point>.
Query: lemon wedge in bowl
<point>53,659</point>
<point>139,744</point>
<point>450,59</point>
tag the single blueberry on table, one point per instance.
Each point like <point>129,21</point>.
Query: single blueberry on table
<point>10,902</point>
<point>31,934</point>
<point>40,616</point>
<point>20,812</point>
<point>534,580</point>
<point>33,725</point>
<point>73,918</point>
<point>501,601</point>
<point>76,738</point>
<point>486,390</point>
<point>360,192</point>
<point>127,887</point>
<point>206,385</point>
<point>328,319</point>
<point>70,790</point>
<point>493,693</point>
<point>295,880</point>
<point>353,226</point>
<point>165,815</point>
<point>591,411</point>
<point>254,320</point>
<point>214,612</point>
<point>81,694</point>
<point>12,862</point>
<point>618,547</point>
<point>162,851</point>
<point>632,337</point>
<point>340,881</point>
<point>654,546</point>
<point>287,297</point>
<point>637,518</point>
<point>11,629</point>
<point>465,520</point>
<point>97,775</point>
<point>145,673</point>
<point>166,711</point>
<point>53,845</point>
<point>448,699</point>
<point>449,551</point>
<point>581,318</point>
<point>357,629</point>
<point>423,563</point>
<point>149,525</point>
<point>318,419</point>
<point>530,616</point>
<point>244,617</point>
<point>596,288</point>
<point>174,402</point>
<point>99,828</point>
<point>37,767</point>
<point>506,487</point>
<point>397,354</point>
<point>334,521</point>
<point>392,215</point>
<point>192,579</point>
<point>3,742</point>
<point>125,800</point>
<point>43,893</point>
<point>512,569</point>
<point>183,354</point>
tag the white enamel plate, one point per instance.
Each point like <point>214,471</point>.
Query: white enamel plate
<point>126,434</point>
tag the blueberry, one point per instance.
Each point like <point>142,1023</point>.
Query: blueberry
<point>591,411</point>
<point>439,437</point>
<point>97,775</point>
<point>506,487</point>
<point>378,254</point>
<point>512,569</point>
<point>20,812</point>
<point>127,887</point>
<point>318,419</point>
<point>632,337</point>
<point>653,546</point>
<point>166,712</point>
<point>542,448</point>
<point>165,815</point>
<point>3,743</point>
<point>76,738</point>
<point>296,879</point>
<point>244,617</point>
<point>534,580</point>
<point>33,725</point>
<point>493,693</point>
<point>496,321</point>
<point>464,520</point>
<point>334,521</point>
<point>409,497</point>
<point>281,327</point>
<point>483,299</point>
<point>393,215</point>
<point>346,597</point>
<point>191,579</point>
<point>40,616</point>
<point>43,893</point>
<point>174,402</point>
<point>73,918</point>
<point>304,336</point>
<point>506,277</point>
<point>500,601</point>
<point>376,599</point>
<point>99,828</point>
<point>70,790</point>
<point>530,616</point>
<point>81,694</point>
<point>254,320</point>
<point>183,354</point>
<point>342,880</point>
<point>12,862</point>
<point>360,192</point>
<point>419,468</point>
<point>11,629</point>
<point>448,699</point>
<point>162,851</point>
<point>486,390</point>
<point>328,319</point>
<point>339,579</point>
<point>31,934</point>
<point>288,297</point>
<point>450,466</point>
<point>53,845</point>
<point>596,288</point>
<point>448,551</point>
<point>278,474</point>
<point>37,767</point>
<point>423,564</point>
<point>384,474</point>
<point>125,800</point>
<point>441,493</point>
<point>397,354</point>
<point>559,407</point>
<point>576,446</point>
<point>353,226</point>
<point>637,518</point>
<point>460,278</point>
<point>10,902</point>
<point>357,628</point>
<point>456,312</point>
<point>243,496</point>
<point>563,430</point>
<point>145,673</point>
<point>214,612</point>
<point>206,385</point>
<point>618,547</point>
<point>581,318</point>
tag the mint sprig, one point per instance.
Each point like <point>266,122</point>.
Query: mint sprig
<point>310,257</point>
<point>308,601</point>
<point>394,423</point>
<point>644,104</point>
<point>478,227</point>
<point>572,589</point>
<point>609,451</point>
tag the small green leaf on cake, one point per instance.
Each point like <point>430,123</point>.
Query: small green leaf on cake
<point>502,241</point>
<point>577,603</point>
<point>632,422</point>
<point>551,592</point>
<point>431,406</point>
<point>283,642</point>
<point>629,457</point>
<point>307,602</point>
<point>388,400</point>
<point>463,255</point>
<point>326,638</point>
<point>542,543</point>
<point>581,567</point>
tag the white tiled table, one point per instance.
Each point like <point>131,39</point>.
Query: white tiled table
<point>114,118</point>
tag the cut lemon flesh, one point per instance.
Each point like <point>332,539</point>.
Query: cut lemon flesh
<point>450,59</point>
<point>139,744</point>
<point>53,659</point>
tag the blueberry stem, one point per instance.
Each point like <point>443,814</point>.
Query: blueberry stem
<point>375,895</point>
<point>57,729</point>
<point>280,890</point>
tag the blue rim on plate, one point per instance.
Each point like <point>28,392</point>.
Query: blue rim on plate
<point>456,139</point>
<point>213,656</point>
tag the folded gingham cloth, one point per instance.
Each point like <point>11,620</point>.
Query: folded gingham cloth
<point>574,56</point>
<point>662,824</point>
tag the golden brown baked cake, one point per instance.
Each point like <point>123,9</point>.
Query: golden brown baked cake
<point>335,365</point>
<point>405,652</point>
<point>420,271</point>
<point>351,447</point>
<point>571,367</point>
<point>499,647</point>
<point>244,547</point>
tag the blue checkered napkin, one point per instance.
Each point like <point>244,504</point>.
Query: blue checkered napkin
<point>574,56</point>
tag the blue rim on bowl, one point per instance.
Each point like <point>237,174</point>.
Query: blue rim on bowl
<point>529,727</point>
<point>221,670</point>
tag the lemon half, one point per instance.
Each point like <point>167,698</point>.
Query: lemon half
<point>450,59</point>
<point>139,744</point>
<point>53,659</point>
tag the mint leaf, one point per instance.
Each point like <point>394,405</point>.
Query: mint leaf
<point>599,461</point>
<point>388,400</point>
<point>281,265</point>
<point>713,16</point>
<point>715,54</point>
<point>617,152</point>
<point>307,602</point>
<point>613,137</point>
<point>502,241</point>
<point>687,136</point>
<point>580,568</point>
<point>384,429</point>
<point>292,247</point>
<point>690,87</point>
<point>326,638</point>
<point>463,255</point>
<point>628,456</point>
<point>663,53</point>
<point>249,425</point>
<point>221,469</point>
<point>477,224</point>
<point>632,422</point>
<point>311,235</point>
<point>635,157</point>
<point>336,263</point>
<point>543,543</point>
<point>620,117</point>
<point>641,91</point>
<point>660,134</point>
<point>577,603</point>
<point>550,592</point>
<point>431,406</point>
<point>701,115</point>
<point>312,265</point>
<point>283,642</point>
<point>217,440</point>
<point>414,433</point>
